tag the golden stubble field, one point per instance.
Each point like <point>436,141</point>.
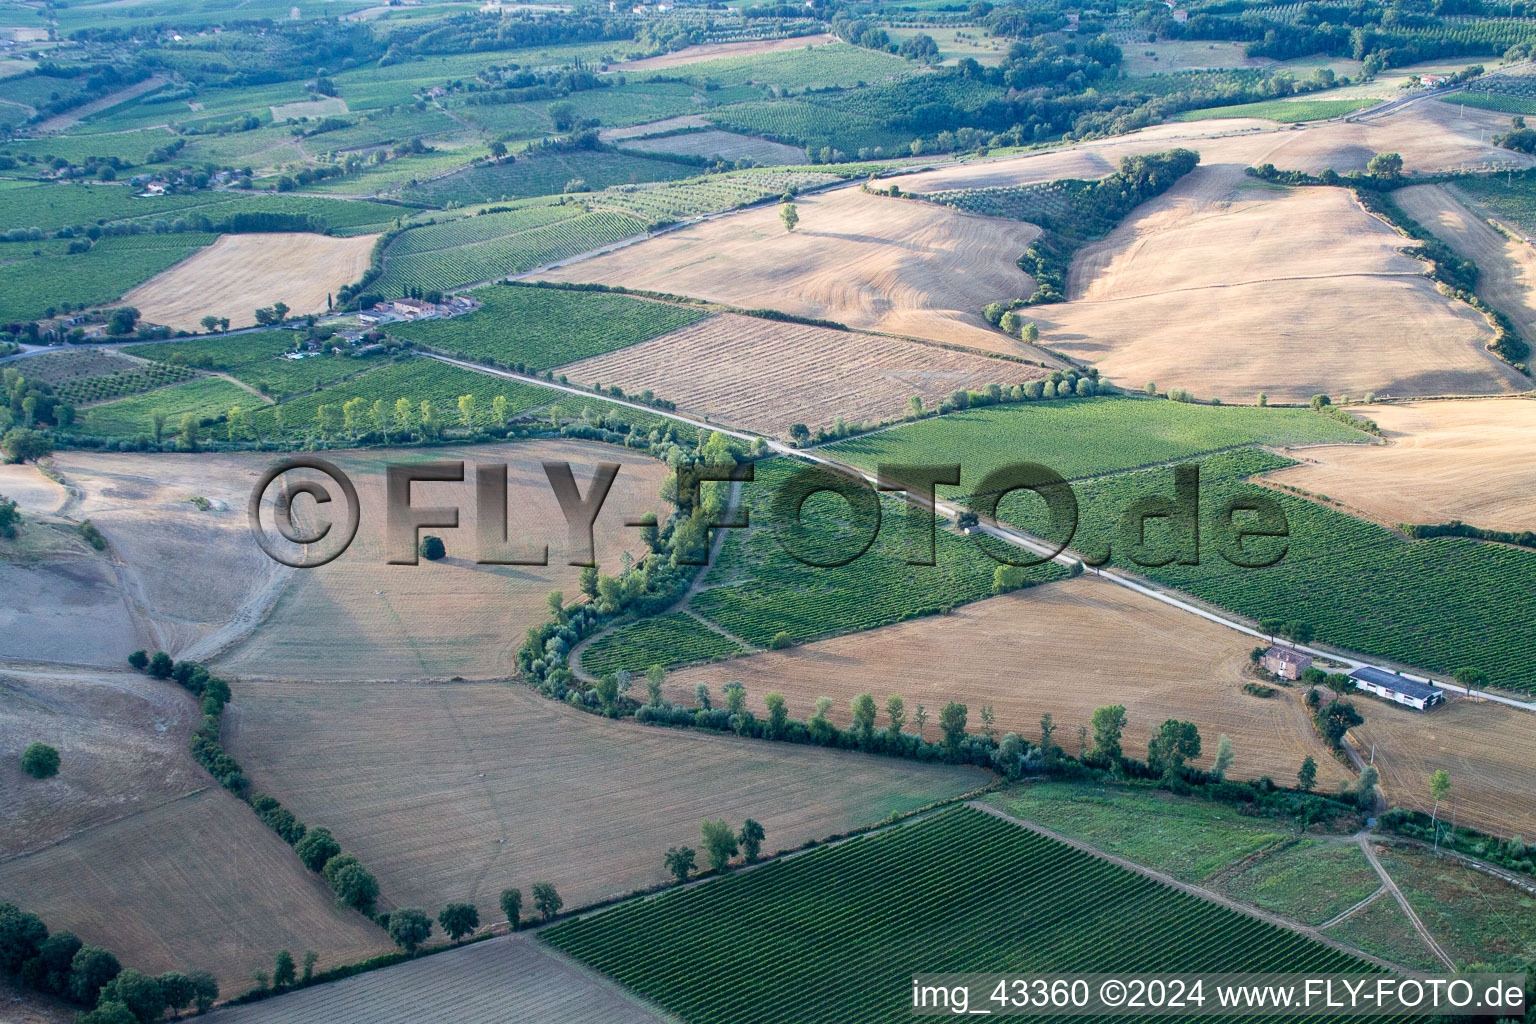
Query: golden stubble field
<point>1488,749</point>
<point>132,847</point>
<point>361,618</point>
<point>1506,267</point>
<point>1063,648</point>
<point>871,262</point>
<point>239,273</point>
<point>1296,290</point>
<point>454,791</point>
<point>764,375</point>
<point>1472,460</point>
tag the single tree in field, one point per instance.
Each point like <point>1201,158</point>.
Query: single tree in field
<point>789,215</point>
<point>40,761</point>
<point>405,416</point>
<point>175,990</point>
<point>498,149</point>
<point>317,848</point>
<point>379,414</point>
<point>1048,748</point>
<point>1107,723</point>
<point>679,861</point>
<point>952,719</point>
<point>587,581</point>
<point>1307,777</point>
<point>654,677</point>
<point>205,990</point>
<point>467,410</point>
<point>1385,165</point>
<point>1471,678</point>
<point>988,720</point>
<point>800,434</point>
<point>778,713</point>
<point>920,719</point>
<point>161,665</point>
<point>459,919</point>
<point>284,971</point>
<point>209,323</point>
<point>512,907</point>
<point>432,548</point>
<point>499,410</point>
<point>1439,789</point>
<point>310,959</point>
<point>896,715</point>
<point>409,928</point>
<point>864,712</point>
<point>1031,332</point>
<point>546,900</point>
<point>1224,755</point>
<point>719,843</point>
<point>555,602</point>
<point>1010,323</point>
<point>1365,787</point>
<point>1175,743</point>
<point>751,839</point>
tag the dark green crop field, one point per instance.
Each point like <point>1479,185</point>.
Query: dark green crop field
<point>835,935</point>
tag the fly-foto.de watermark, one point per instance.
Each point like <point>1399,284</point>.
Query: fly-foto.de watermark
<point>1248,530</point>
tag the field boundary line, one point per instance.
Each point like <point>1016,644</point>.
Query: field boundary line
<point>1188,887</point>
<point>1402,901</point>
<point>1381,890</point>
<point>598,978</point>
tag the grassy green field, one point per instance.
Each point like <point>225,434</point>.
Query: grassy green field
<point>1477,918</point>
<point>1360,585</point>
<point>416,380</point>
<point>665,640</point>
<point>544,174</point>
<point>1284,111</point>
<point>1310,879</point>
<point>31,284</point>
<point>1511,199</point>
<point>1085,437</point>
<point>440,260</point>
<point>1383,930</point>
<point>255,359</point>
<point>545,327</point>
<point>757,590</point>
<point>207,398</point>
<point>847,926</point>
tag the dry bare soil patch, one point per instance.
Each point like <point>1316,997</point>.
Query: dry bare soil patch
<point>516,978</point>
<point>1506,267</point>
<point>764,375</point>
<point>1487,748</point>
<point>134,848</point>
<point>1472,460</point>
<point>238,273</point>
<point>900,266</point>
<point>454,791</point>
<point>640,131</point>
<point>191,574</point>
<point>63,601</point>
<point>1063,648</point>
<point>713,51</point>
<point>361,618</point>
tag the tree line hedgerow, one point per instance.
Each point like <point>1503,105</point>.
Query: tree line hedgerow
<point>354,885</point>
<point>61,965</point>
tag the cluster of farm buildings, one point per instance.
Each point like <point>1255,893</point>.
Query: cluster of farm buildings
<point>1284,663</point>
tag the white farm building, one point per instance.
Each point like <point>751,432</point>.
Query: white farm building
<point>1419,696</point>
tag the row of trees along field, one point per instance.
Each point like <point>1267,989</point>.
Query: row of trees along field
<point>60,964</point>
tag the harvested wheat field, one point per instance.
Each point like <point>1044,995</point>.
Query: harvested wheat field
<point>714,144</point>
<point>714,51</point>
<point>35,493</point>
<point>1064,648</point>
<point>238,273</point>
<point>764,375</point>
<point>1297,291</point>
<point>361,618</point>
<point>1506,267</point>
<point>132,846</point>
<point>1430,135</point>
<point>516,978</point>
<point>1472,460</point>
<point>454,791</point>
<point>1488,749</point>
<point>194,576</point>
<point>871,262</point>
